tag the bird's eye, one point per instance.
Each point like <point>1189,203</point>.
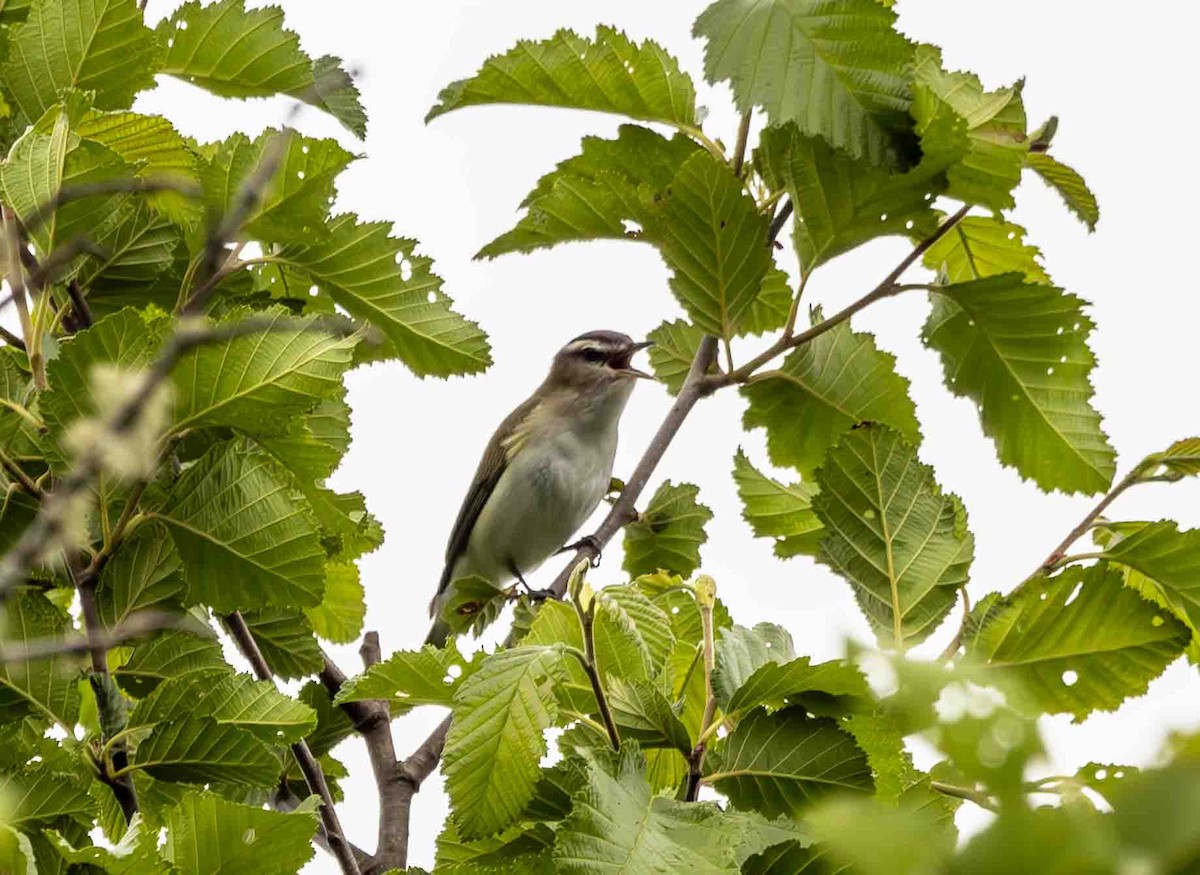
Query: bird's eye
<point>594,355</point>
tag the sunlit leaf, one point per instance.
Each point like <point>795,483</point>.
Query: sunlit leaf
<point>777,510</point>
<point>1069,185</point>
<point>199,750</point>
<point>668,533</point>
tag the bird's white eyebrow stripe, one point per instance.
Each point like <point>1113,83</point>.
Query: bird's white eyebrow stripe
<point>581,345</point>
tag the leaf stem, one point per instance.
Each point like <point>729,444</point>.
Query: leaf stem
<point>16,285</point>
<point>23,480</point>
<point>705,589</point>
<point>967,793</point>
<point>584,602</point>
<point>739,150</point>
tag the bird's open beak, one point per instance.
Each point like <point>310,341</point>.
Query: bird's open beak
<point>622,363</point>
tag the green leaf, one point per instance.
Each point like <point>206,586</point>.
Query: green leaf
<point>675,346</point>
<point>92,45</point>
<point>17,855</point>
<point>1182,458</point>
<point>169,654</point>
<point>39,797</point>
<point>624,612</point>
<point>842,202</point>
<point>617,825</point>
<point>257,382</point>
<point>1019,350</point>
<point>244,535</point>
<point>1052,840</point>
<point>608,191</point>
<point>993,124</point>
<point>668,533</point>
<point>792,858</point>
<point>518,850</point>
<point>1069,185</point>
<point>892,533</point>
<point>1170,559</point>
<point>339,617</point>
<point>841,71</point>
<point>778,510</point>
<point>143,574</point>
<point>295,204</point>
<point>45,688</point>
<point>408,678</point>
<point>1151,812</point>
<point>983,246</point>
<point>235,52</point>
<point>779,684</point>
<point>135,854</point>
<point>822,389</point>
<point>379,278</point>
<point>870,837</point>
<point>198,750</point>
<point>643,714</point>
<point>230,699</point>
<point>142,250</point>
<point>740,652</point>
<point>495,742</point>
<point>1085,641</point>
<point>333,726</point>
<point>770,310</point>
<point>713,238</point>
<point>779,764</point>
<point>286,640</point>
<point>208,835</point>
<point>314,443</point>
<point>610,73</point>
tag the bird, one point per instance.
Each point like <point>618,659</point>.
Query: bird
<point>544,470</point>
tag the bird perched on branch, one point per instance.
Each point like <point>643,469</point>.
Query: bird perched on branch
<point>545,469</point>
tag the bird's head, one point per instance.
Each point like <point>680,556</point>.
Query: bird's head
<point>596,360</point>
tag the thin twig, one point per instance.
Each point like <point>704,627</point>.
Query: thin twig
<point>313,776</point>
<point>11,339</point>
<point>739,149</point>
<point>17,473</point>
<point>131,629</point>
<point>778,222</point>
<point>705,591</point>
<point>70,193</point>
<point>970,795</point>
<point>16,285</point>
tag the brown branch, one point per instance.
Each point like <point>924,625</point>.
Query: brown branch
<point>313,776</point>
<point>739,149</point>
<point>11,339</point>
<point>778,222</point>
<point>889,286</point>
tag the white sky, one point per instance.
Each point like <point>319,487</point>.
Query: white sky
<point>1126,125</point>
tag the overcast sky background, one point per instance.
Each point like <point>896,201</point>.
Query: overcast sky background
<point>1123,94</point>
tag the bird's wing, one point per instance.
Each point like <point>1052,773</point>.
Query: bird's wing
<point>495,459</point>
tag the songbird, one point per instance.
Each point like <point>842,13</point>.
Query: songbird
<point>545,469</point>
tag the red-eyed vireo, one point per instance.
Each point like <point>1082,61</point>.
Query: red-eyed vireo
<point>545,469</point>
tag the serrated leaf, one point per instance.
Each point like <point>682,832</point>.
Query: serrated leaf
<point>381,279</point>
<point>135,854</point>
<point>257,382</point>
<point>408,678</point>
<point>609,73</point>
<point>993,124</point>
<point>779,684</point>
<point>675,346</point>
<point>39,797</point>
<point>901,543</point>
<point>608,191</point>
<point>668,533</point>
<point>821,390</point>
<point>793,858</point>
<point>208,835</point>
<point>839,71</point>
<point>198,750</point>
<point>92,45</point>
<point>1070,186</point>
<point>142,249</point>
<point>1019,350</point>
<point>286,640</point>
<point>868,836</point>
<point>777,510</point>
<point>230,699</point>
<point>643,714</point>
<point>314,443</point>
<point>44,687</point>
<point>237,52</point>
<point>245,536</point>
<point>1182,457</point>
<point>169,654</point>
<point>339,617</point>
<point>638,618</point>
<point>740,652</point>
<point>842,202</point>
<point>713,238</point>
<point>495,742</point>
<point>518,850</point>
<point>17,855</point>
<point>1085,641</point>
<point>143,574</point>
<point>779,764</point>
<point>982,246</point>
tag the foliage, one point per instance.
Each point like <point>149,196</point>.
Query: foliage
<point>166,446</point>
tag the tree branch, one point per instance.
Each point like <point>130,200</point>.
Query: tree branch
<point>778,222</point>
<point>313,776</point>
<point>739,149</point>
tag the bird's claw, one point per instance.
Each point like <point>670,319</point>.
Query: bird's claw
<point>592,543</point>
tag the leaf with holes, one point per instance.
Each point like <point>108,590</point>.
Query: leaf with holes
<point>245,535</point>
<point>381,279</point>
<point>901,543</point>
<point>821,390</point>
<point>204,830</point>
<point>495,742</point>
<point>1070,186</point>
<point>1085,641</point>
<point>740,652</point>
<point>91,45</point>
<point>668,533</point>
<point>778,684</point>
<point>777,510</point>
<point>1019,350</point>
<point>780,763</point>
<point>983,246</point>
<point>610,73</point>
<point>200,750</point>
<point>408,678</point>
<point>841,71</point>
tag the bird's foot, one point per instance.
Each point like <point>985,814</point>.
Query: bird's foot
<point>591,542</point>
<point>521,588</point>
